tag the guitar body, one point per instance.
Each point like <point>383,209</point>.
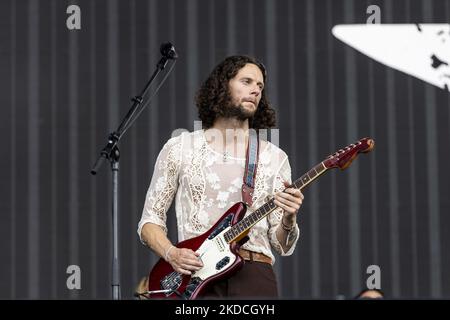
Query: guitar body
<point>220,260</point>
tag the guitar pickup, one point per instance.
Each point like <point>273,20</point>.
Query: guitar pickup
<point>222,263</point>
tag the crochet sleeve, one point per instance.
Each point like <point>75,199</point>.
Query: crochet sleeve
<point>163,185</point>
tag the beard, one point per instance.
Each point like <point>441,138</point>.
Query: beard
<point>238,112</point>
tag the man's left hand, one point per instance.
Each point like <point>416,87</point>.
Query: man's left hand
<point>290,200</point>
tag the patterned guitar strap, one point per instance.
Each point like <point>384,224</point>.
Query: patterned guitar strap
<point>251,165</point>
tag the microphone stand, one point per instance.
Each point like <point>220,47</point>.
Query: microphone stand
<point>111,152</point>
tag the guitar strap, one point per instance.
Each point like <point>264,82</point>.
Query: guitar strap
<point>251,164</point>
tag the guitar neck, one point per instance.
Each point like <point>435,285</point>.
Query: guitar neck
<point>249,221</point>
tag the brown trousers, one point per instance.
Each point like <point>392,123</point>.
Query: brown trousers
<point>256,280</point>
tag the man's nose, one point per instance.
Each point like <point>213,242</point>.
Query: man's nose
<point>256,90</point>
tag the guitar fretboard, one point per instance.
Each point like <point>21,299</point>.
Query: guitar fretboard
<point>249,221</point>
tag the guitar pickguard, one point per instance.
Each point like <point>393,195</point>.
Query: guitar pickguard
<point>216,257</point>
<point>219,259</point>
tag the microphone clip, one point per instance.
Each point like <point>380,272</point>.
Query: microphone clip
<point>168,50</point>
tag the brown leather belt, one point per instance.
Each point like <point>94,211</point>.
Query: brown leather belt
<point>254,256</point>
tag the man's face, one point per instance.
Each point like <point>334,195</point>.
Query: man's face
<point>245,90</point>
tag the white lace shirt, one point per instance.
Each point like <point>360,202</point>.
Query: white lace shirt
<point>205,186</point>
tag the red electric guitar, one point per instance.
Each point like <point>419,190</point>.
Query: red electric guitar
<point>218,247</point>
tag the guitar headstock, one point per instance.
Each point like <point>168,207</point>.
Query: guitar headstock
<point>344,157</point>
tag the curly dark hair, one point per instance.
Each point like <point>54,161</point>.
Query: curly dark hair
<point>214,94</point>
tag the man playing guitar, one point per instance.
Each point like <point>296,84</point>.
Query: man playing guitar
<point>204,170</point>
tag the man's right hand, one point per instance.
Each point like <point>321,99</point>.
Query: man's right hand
<point>184,260</point>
